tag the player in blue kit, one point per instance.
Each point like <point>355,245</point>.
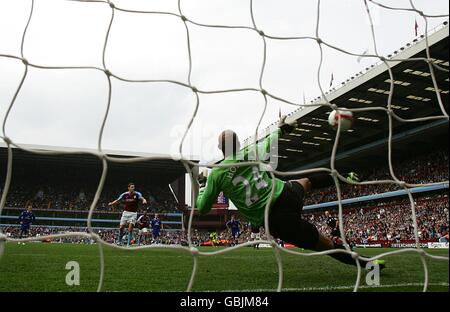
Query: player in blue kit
<point>235,226</point>
<point>26,218</point>
<point>156,225</point>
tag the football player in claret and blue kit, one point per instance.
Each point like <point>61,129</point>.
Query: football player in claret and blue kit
<point>130,200</point>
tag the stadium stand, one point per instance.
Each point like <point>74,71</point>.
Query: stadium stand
<point>368,222</point>
<point>392,221</point>
<point>427,168</point>
<point>70,184</point>
<point>72,197</point>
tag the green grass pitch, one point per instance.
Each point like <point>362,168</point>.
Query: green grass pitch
<point>42,267</point>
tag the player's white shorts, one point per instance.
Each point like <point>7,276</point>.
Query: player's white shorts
<point>143,231</point>
<point>256,236</point>
<point>128,217</point>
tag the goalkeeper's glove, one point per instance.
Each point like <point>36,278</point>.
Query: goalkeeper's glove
<point>380,263</point>
<point>352,177</point>
<point>286,127</point>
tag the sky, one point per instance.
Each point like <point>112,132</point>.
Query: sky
<point>66,107</point>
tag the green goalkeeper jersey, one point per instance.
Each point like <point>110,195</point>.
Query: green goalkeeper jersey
<point>247,187</point>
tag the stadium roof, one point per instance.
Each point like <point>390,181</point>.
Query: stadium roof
<point>311,142</point>
<point>165,166</point>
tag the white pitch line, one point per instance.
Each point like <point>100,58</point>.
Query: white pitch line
<point>330,288</point>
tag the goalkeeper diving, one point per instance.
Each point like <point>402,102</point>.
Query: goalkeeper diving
<point>249,188</point>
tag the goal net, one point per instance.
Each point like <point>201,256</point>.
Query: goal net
<point>262,36</point>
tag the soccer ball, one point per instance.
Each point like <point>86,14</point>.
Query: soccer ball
<point>345,118</point>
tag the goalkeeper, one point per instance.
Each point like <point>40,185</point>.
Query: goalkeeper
<point>249,189</point>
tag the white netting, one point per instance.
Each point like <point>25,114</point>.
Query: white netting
<point>188,164</point>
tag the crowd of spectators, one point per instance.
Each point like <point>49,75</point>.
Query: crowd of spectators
<point>47,193</point>
<point>392,221</point>
<point>62,196</point>
<point>386,221</point>
<point>429,168</point>
<point>106,234</point>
